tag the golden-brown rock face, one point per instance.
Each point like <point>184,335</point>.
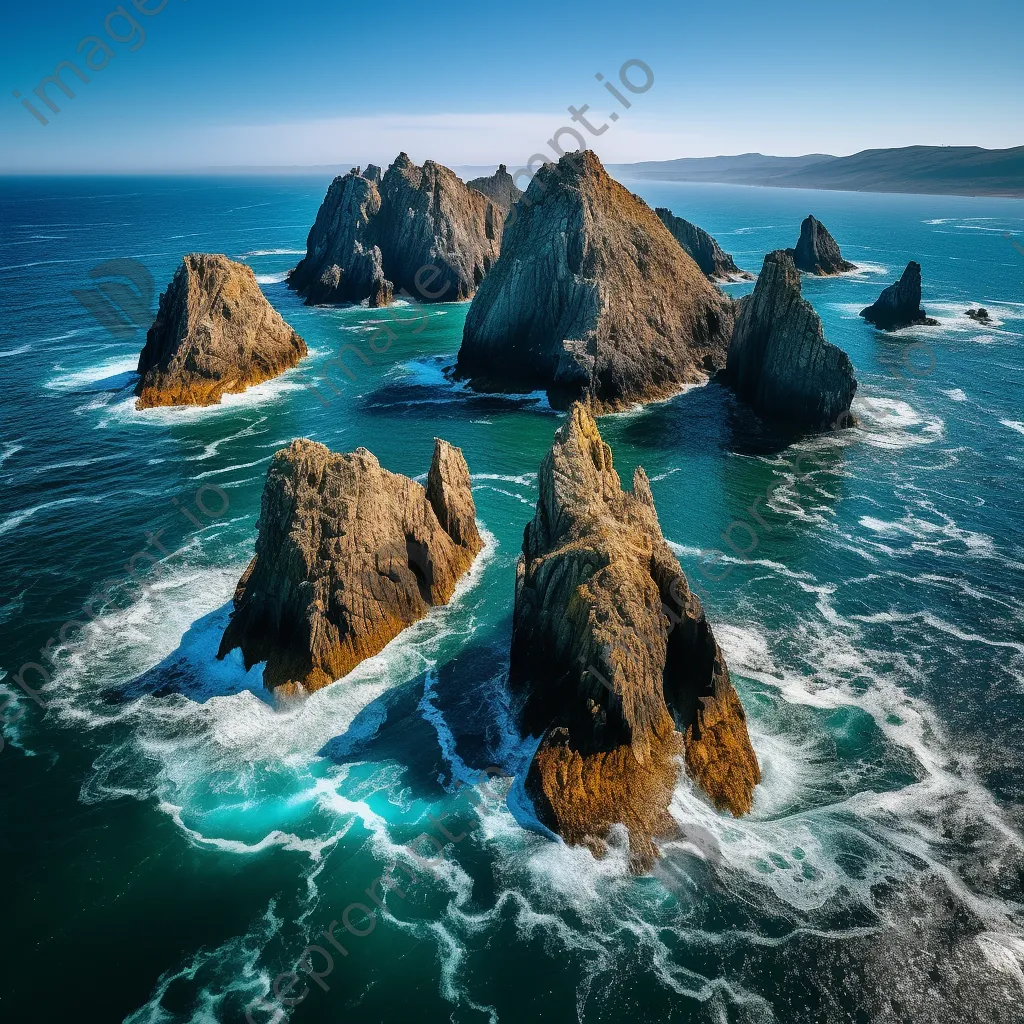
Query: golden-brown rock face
<point>347,556</point>
<point>214,333</point>
<point>620,667</point>
<point>592,298</point>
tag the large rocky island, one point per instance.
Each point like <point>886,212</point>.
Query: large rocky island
<point>347,556</point>
<point>817,252</point>
<point>779,361</point>
<point>214,333</point>
<point>592,298</point>
<point>899,305</point>
<point>618,663</point>
<point>417,230</point>
<point>716,264</point>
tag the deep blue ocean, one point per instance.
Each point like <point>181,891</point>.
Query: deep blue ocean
<point>171,842</point>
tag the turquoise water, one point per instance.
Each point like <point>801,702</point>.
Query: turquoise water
<point>172,842</point>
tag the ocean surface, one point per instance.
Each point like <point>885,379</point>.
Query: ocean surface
<point>172,843</point>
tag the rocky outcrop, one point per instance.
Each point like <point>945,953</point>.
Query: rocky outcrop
<point>342,262</point>
<point>430,218</point>
<point>779,361</point>
<point>347,556</point>
<point>499,188</point>
<point>418,230</point>
<point>981,315</point>
<point>817,252</point>
<point>899,305</point>
<point>618,663</point>
<point>215,333</point>
<point>592,298</point>
<point>716,264</point>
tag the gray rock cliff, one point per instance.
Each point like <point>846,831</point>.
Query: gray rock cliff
<point>779,361</point>
<point>899,305</point>
<point>817,252</point>
<point>716,264</point>
<point>592,298</point>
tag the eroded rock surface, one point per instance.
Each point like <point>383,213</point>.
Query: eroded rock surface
<point>716,264</point>
<point>817,252</point>
<point>343,263</point>
<point>779,361</point>
<point>347,556</point>
<point>592,298</point>
<point>417,230</point>
<point>499,188</point>
<point>620,667</point>
<point>899,305</point>
<point>215,333</point>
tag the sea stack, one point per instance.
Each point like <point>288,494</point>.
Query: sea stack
<point>817,252</point>
<point>499,188</point>
<point>347,556</point>
<point>215,333</point>
<point>618,663</point>
<point>342,263</point>
<point>416,230</point>
<point>716,264</point>
<point>899,305</point>
<point>779,361</point>
<point>592,299</point>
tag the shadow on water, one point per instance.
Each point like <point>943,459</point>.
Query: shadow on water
<point>704,418</point>
<point>193,670</point>
<point>424,388</point>
<point>445,726</point>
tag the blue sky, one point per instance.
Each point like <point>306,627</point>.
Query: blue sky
<point>221,83</point>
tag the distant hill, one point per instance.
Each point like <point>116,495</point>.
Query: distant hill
<point>944,170</point>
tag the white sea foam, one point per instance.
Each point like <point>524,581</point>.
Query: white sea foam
<point>1013,425</point>
<point>114,370</point>
<point>955,394</point>
<point>894,423</point>
<point>274,252</point>
<point>20,350</point>
<point>272,278</point>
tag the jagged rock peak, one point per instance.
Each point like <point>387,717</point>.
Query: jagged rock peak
<point>716,264</point>
<point>899,305</point>
<point>342,261</point>
<point>419,230</point>
<point>347,556</point>
<point>592,298</point>
<point>215,333</point>
<point>430,218</point>
<point>779,361</point>
<point>817,252</point>
<point>619,665</point>
<point>499,188</point>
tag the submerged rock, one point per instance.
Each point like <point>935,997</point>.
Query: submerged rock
<point>499,188</point>
<point>619,665</point>
<point>592,298</point>
<point>779,361</point>
<point>418,230</point>
<point>215,333</point>
<point>342,262</point>
<point>347,556</point>
<point>716,264</point>
<point>817,252</point>
<point>899,305</point>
